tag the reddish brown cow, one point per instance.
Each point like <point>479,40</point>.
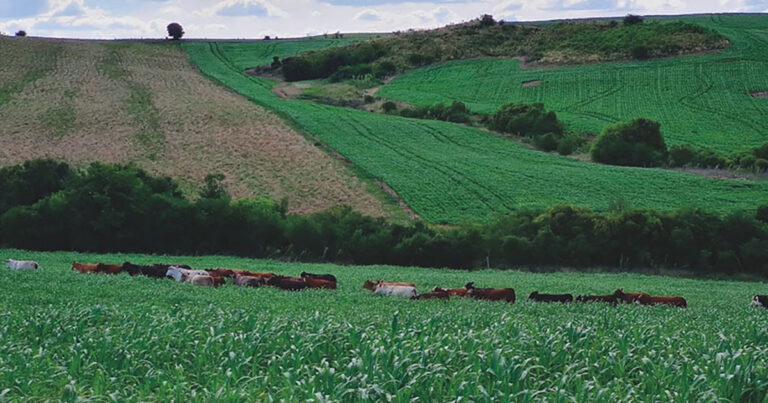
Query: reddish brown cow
<point>287,283</point>
<point>221,272</point>
<point>109,268</point>
<point>629,298</point>
<point>454,292</point>
<point>437,293</point>
<point>491,294</point>
<point>671,301</point>
<point>319,283</point>
<point>84,268</point>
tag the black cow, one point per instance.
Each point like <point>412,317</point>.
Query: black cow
<point>133,269</point>
<point>326,277</point>
<point>562,298</point>
<point>760,301</point>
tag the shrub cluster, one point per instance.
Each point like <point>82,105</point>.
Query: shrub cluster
<point>635,143</point>
<point>112,208</point>
<point>687,156</point>
<point>564,42</point>
<point>456,112</point>
<point>535,122</point>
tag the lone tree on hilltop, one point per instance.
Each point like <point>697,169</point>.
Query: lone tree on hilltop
<point>175,31</point>
<point>632,19</point>
<point>21,33</point>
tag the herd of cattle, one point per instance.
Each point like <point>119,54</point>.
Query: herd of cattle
<point>244,278</point>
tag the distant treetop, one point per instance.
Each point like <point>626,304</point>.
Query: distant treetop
<point>632,19</point>
<point>175,31</point>
<point>21,33</point>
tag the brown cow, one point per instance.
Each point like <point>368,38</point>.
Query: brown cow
<point>319,283</point>
<point>437,293</point>
<point>610,299</point>
<point>491,294</point>
<point>629,298</point>
<point>454,292</point>
<point>249,281</point>
<point>671,301</point>
<point>109,268</point>
<point>218,280</point>
<point>84,268</point>
<point>287,283</point>
<point>221,272</point>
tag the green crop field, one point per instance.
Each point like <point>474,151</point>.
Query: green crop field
<point>68,335</point>
<point>448,173</point>
<point>701,100</point>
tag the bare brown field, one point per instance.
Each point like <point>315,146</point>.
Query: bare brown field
<point>145,103</point>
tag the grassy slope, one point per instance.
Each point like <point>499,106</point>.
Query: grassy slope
<point>702,100</point>
<point>66,334</point>
<point>145,103</point>
<point>448,173</point>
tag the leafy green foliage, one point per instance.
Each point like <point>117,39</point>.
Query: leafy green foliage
<point>687,156</point>
<point>69,336</point>
<point>703,100</point>
<point>447,172</point>
<point>120,208</point>
<point>525,120</point>
<point>637,143</point>
<point>570,42</point>
<point>456,112</point>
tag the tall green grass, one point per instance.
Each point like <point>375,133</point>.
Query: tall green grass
<point>703,100</point>
<point>68,336</point>
<point>448,173</point>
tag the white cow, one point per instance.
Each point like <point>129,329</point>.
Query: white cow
<point>21,264</point>
<point>177,273</point>
<point>395,290</point>
<point>198,279</point>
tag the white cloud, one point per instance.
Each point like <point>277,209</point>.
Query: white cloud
<point>247,8</point>
<point>368,15</point>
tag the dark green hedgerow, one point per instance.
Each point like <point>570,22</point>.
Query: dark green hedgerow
<point>564,42</point>
<point>112,208</point>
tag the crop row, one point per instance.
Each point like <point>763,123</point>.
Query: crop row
<point>702,100</point>
<point>446,172</point>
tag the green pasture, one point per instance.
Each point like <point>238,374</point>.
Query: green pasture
<point>700,100</point>
<point>448,173</point>
<point>73,336</point>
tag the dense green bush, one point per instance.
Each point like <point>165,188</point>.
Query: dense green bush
<point>563,42</point>
<point>528,120</point>
<point>109,208</point>
<point>456,112</point>
<point>686,156</point>
<point>636,143</point>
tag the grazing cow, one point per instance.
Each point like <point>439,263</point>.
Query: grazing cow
<point>198,279</point>
<point>437,293</point>
<point>326,277</point>
<point>84,268</point>
<point>249,281</point>
<point>610,299</point>
<point>562,298</point>
<point>319,283</point>
<point>760,301</point>
<point>218,280</point>
<point>134,270</point>
<point>671,301</point>
<point>21,264</point>
<point>391,288</point>
<point>156,270</point>
<point>490,294</point>
<point>629,298</point>
<point>176,273</point>
<point>454,292</point>
<point>109,268</point>
<point>287,283</point>
<point>221,272</point>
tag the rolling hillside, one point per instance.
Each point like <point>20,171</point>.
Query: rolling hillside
<point>448,173</point>
<point>82,101</point>
<point>701,100</point>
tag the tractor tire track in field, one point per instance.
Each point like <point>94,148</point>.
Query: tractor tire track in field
<point>140,105</point>
<point>454,175</point>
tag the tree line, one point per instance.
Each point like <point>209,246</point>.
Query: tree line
<point>47,205</point>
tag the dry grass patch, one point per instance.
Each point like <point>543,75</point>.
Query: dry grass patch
<point>145,103</point>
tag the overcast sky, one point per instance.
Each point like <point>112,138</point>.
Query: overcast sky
<point>255,18</point>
